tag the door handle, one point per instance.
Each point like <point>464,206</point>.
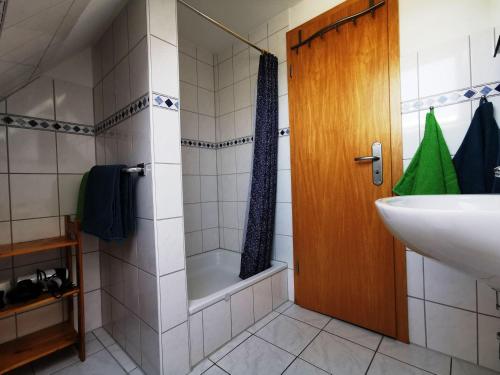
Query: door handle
<point>367,158</point>
<point>376,160</point>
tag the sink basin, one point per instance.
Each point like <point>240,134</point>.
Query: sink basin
<point>462,231</point>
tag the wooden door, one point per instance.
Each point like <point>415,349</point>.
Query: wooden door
<point>340,100</point>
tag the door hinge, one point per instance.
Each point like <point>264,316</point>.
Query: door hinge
<point>290,71</point>
<point>297,268</point>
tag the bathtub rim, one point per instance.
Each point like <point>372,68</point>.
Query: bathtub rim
<point>198,304</point>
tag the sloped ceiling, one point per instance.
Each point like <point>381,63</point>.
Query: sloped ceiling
<point>36,35</point>
<point>242,16</point>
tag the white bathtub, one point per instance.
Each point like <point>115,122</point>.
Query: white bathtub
<point>213,276</point>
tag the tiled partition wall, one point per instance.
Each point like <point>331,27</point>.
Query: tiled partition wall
<point>236,81</point>
<point>448,310</point>
<point>199,167</point>
<point>46,144</point>
<point>122,117</point>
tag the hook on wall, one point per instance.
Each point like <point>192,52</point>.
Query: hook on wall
<point>497,48</point>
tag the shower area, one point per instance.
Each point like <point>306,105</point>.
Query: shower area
<point>218,112</point>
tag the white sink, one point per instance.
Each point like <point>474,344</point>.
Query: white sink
<point>462,231</point>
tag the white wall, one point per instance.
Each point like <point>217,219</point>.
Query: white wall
<point>40,174</point>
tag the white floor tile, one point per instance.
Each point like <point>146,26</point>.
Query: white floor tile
<point>55,362</point>
<point>300,367</point>
<point>459,367</point>
<point>261,323</point>
<point>255,356</point>
<point>100,363</point>
<point>201,367</point>
<point>354,333</point>
<point>104,337</point>
<point>222,352</point>
<point>310,317</point>
<point>122,358</point>
<point>423,358</point>
<point>383,365</point>
<point>214,370</point>
<point>284,306</point>
<point>289,334</point>
<point>338,356</point>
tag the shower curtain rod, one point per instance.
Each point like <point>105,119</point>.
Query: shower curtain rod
<point>223,27</point>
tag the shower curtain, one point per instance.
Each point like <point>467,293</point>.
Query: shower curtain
<point>257,248</point>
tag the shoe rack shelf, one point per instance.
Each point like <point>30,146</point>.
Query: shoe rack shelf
<point>25,349</point>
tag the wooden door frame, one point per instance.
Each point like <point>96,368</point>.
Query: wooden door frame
<point>399,249</point>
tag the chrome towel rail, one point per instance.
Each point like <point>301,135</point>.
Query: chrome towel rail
<point>139,168</point>
<point>497,171</point>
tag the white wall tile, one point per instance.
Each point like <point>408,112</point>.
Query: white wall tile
<point>277,45</point>
<point>226,75</point>
<point>243,186</point>
<point>195,337</point>
<point>208,164</point>
<point>131,287</point>
<point>242,94</point>
<point>446,329</point>
<point>444,68</point>
<point>283,120</point>
<point>139,69</point>
<point>35,320</point>
<point>283,249</point>
<point>107,51</point>
<point>278,22</point>
<point>92,278</point>
<point>173,297</point>
<point>164,58</point>
<point>284,187</point>
<point>122,84</point>
<point>488,342</point>
<point>208,188</point>
<point>279,283</point>
<point>410,125</point>
<point>483,65</point>
<point>120,35</point>
<point>150,350</point>
<point>204,55</point>
<point>163,20</point>
<point>209,215</point>
<point>189,124</point>
<point>188,69</point>
<point>210,239</point>
<point>76,153</point>
<point>148,299</point>
<point>194,243</point>
<point>191,160</point>
<point>207,128</point>
<point>228,160</point>
<point>69,186</point>
<point>28,202</point>
<point>170,245</point>
<point>7,329</point>
<point>241,64</point>
<point>133,337</point>
<point>416,321</point>
<point>137,21</point>
<point>282,80</point>
<point>226,100</point>
<point>3,149</point>
<point>167,136</point>
<point>205,75</point>
<point>231,239</point>
<point>191,189</point>
<point>31,151</point>
<point>448,286</point>
<point>454,121</point>
<point>74,103</point>
<point>168,191</point>
<point>175,347</point>
<point>228,187</point>
<point>263,298</point>
<point>97,101</point>
<point>206,104</point>
<point>486,300</point>
<point>29,230</point>
<point>146,245</point>
<point>34,100</point>
<point>216,326</point>
<point>187,47</point>
<point>141,138</point>
<point>283,219</point>
<point>188,97</point>
<point>409,76</point>
<point>144,194</point>
<point>4,198</point>
<point>415,274</point>
<point>244,158</point>
<point>284,153</point>
<point>242,310</point>
<point>258,33</point>
<point>192,217</point>
<point>243,122</point>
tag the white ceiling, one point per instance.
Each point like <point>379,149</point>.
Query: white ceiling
<point>36,35</point>
<point>241,16</point>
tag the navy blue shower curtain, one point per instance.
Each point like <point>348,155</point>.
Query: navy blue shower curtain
<point>257,248</point>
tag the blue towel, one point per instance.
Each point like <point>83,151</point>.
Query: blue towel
<point>479,153</point>
<point>109,211</point>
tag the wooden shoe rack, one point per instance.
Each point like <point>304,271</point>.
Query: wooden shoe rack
<point>25,349</point>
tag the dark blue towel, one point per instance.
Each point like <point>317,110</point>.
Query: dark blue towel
<point>109,203</point>
<point>478,155</point>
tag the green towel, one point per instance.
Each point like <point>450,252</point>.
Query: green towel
<point>431,170</point>
<point>81,197</point>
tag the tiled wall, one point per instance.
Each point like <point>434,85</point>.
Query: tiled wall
<point>215,325</point>
<point>199,168</point>
<point>123,126</point>
<point>46,144</point>
<point>448,310</point>
<point>236,89</point>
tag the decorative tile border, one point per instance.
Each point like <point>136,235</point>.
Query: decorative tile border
<point>453,97</point>
<point>131,109</point>
<point>165,101</point>
<point>44,124</point>
<point>284,132</point>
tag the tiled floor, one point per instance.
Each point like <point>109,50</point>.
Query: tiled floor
<point>296,341</point>
<point>104,357</point>
<point>289,341</point>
